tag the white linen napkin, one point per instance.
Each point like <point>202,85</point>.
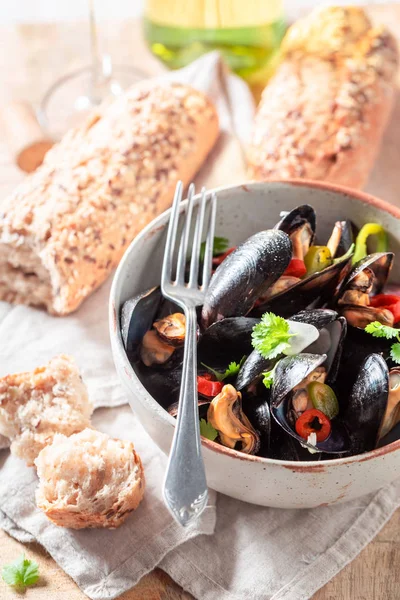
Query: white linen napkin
<point>256,553</point>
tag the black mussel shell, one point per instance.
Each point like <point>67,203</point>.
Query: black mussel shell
<point>256,409</point>
<point>330,342</point>
<point>137,317</point>
<point>297,217</point>
<point>289,372</point>
<point>245,275</point>
<point>379,262</point>
<point>320,318</point>
<point>163,384</point>
<point>252,368</point>
<point>225,341</point>
<point>320,285</point>
<point>367,404</point>
<point>356,347</point>
<point>341,239</point>
<point>333,331</point>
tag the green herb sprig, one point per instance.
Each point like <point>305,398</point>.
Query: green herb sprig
<point>21,573</point>
<point>378,330</point>
<point>271,336</point>
<point>269,377</point>
<point>207,430</point>
<point>232,370</point>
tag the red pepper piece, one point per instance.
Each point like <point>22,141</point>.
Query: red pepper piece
<point>313,421</point>
<point>207,387</point>
<point>296,268</point>
<point>388,301</point>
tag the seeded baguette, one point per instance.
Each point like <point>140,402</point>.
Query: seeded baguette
<point>89,480</point>
<point>66,227</point>
<point>36,405</point>
<point>323,114</point>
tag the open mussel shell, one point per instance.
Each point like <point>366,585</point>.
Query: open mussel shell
<point>332,333</point>
<point>252,369</point>
<point>137,317</point>
<point>297,218</point>
<point>319,285</point>
<point>357,346</point>
<point>256,408</point>
<point>367,404</point>
<point>245,275</point>
<point>291,371</point>
<point>379,262</point>
<point>225,341</point>
<point>341,238</point>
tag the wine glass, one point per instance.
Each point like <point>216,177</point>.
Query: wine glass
<point>71,97</point>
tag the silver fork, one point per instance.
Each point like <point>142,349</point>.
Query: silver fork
<point>185,487</point>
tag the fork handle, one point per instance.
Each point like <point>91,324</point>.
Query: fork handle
<point>185,486</point>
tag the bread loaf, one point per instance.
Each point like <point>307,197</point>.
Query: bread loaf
<point>66,227</point>
<point>36,405</point>
<point>323,114</point>
<point>89,480</point>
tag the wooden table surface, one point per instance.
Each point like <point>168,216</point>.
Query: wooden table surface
<point>32,58</point>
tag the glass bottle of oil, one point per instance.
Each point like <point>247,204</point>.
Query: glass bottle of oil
<point>246,32</point>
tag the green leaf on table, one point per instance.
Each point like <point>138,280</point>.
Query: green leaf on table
<point>21,573</point>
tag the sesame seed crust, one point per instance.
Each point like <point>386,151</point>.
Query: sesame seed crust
<point>67,225</point>
<point>323,114</point>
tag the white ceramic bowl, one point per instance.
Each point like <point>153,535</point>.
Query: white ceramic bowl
<point>242,211</point>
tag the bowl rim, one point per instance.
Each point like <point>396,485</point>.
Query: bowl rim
<point>159,222</point>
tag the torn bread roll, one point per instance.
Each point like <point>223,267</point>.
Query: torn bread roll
<point>66,227</point>
<point>36,405</point>
<point>89,480</point>
<point>323,114</point>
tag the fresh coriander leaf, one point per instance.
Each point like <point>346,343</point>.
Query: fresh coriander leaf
<point>269,377</point>
<point>21,573</point>
<point>218,375</point>
<point>207,430</point>
<point>395,353</point>
<point>231,371</point>
<point>220,246</point>
<point>234,368</point>
<point>271,335</point>
<point>382,331</point>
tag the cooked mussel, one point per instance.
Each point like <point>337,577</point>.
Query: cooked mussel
<point>299,224</point>
<point>137,316</point>
<point>172,329</point>
<point>332,332</point>
<point>255,405</point>
<point>226,416</point>
<point>289,399</point>
<point>392,413</point>
<point>366,279</point>
<point>289,293</point>
<point>367,404</point>
<point>341,238</point>
<point>245,275</point>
